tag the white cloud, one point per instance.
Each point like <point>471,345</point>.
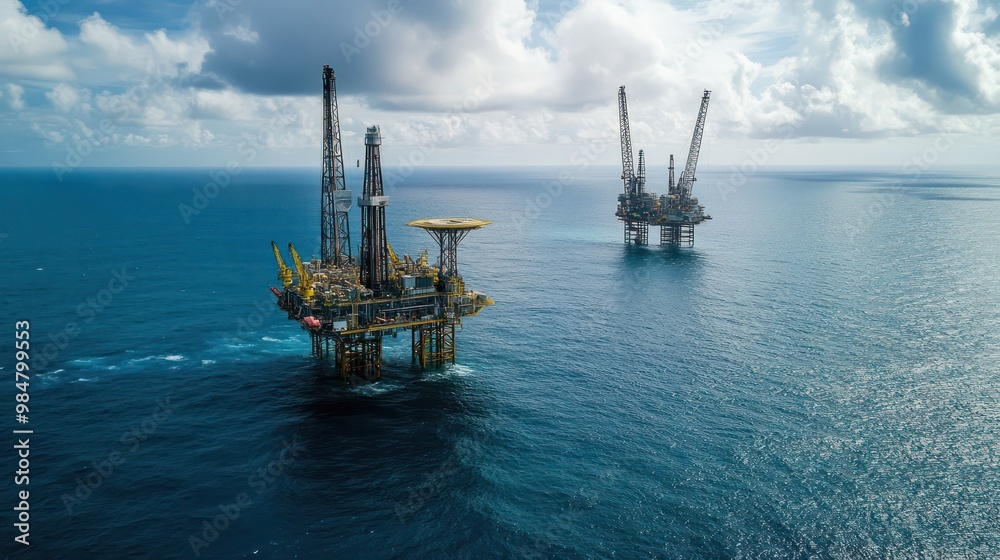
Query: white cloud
<point>50,136</point>
<point>63,97</point>
<point>981,50</point>
<point>242,33</point>
<point>829,68</point>
<point>15,97</point>
<point>29,49</point>
<point>155,53</point>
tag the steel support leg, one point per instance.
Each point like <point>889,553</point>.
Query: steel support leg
<point>434,345</point>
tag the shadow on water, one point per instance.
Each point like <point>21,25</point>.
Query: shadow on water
<point>657,277</point>
<point>681,257</point>
<point>396,454</point>
<point>392,431</point>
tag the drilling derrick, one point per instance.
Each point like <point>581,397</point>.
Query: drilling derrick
<point>640,177</point>
<point>629,211</point>
<point>670,178</point>
<point>335,233</point>
<point>346,307</point>
<point>374,254</point>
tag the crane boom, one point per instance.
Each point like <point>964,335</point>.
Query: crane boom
<point>686,182</point>
<point>305,278</point>
<point>628,173</point>
<point>284,273</point>
<point>393,258</point>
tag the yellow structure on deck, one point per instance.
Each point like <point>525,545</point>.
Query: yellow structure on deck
<point>341,314</point>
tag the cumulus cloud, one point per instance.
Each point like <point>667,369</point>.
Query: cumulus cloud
<point>49,135</point>
<point>847,68</point>
<point>63,97</point>
<point>29,49</point>
<point>153,53</point>
<point>515,72</point>
<point>871,68</point>
<point>15,96</point>
<point>945,57</point>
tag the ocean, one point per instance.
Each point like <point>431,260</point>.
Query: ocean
<point>816,378</point>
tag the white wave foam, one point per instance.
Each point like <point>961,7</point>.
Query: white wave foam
<point>83,361</point>
<point>378,388</point>
<point>173,358</point>
<point>455,370</point>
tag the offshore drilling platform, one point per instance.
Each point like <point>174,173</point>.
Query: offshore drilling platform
<point>676,212</point>
<point>348,305</point>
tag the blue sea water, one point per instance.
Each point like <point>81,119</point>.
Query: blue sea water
<point>817,377</point>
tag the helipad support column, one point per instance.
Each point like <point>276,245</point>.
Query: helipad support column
<point>434,344</point>
<point>449,232</point>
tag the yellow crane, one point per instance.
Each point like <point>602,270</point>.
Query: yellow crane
<point>305,278</point>
<point>284,273</point>
<point>393,259</point>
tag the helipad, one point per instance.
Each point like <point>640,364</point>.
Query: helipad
<point>449,223</point>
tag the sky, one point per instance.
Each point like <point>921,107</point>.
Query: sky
<point>499,82</point>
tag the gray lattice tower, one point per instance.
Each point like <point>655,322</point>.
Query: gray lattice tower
<point>670,179</point>
<point>640,179</point>
<point>374,255</point>
<point>335,233</point>
<point>687,179</point>
<point>628,171</point>
<point>448,240</point>
<point>636,231</point>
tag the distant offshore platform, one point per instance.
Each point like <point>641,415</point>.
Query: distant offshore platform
<point>676,212</point>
